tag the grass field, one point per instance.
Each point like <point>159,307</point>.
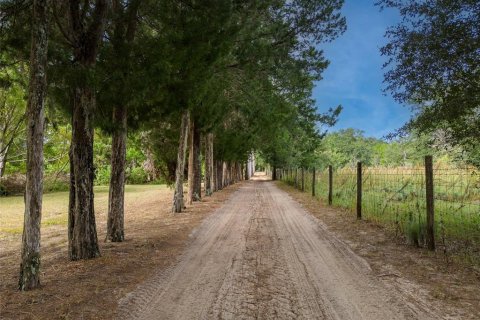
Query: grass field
<point>55,206</point>
<point>395,197</point>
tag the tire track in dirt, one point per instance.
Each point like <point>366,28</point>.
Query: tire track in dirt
<point>261,256</point>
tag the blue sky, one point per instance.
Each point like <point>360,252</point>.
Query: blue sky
<point>354,78</point>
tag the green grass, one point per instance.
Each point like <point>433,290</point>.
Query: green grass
<point>395,198</point>
<point>55,206</point>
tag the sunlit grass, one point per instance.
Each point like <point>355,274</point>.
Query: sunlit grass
<point>55,207</point>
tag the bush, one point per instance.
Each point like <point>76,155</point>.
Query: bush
<point>102,175</point>
<point>57,182</point>
<point>137,176</point>
<point>13,184</point>
<point>416,232</point>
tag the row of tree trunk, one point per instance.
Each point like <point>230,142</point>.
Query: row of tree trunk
<point>82,234</point>
<point>218,173</point>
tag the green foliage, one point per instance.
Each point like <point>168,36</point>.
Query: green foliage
<point>433,65</point>
<point>102,175</point>
<point>245,70</point>
<point>12,115</point>
<point>345,148</point>
<point>416,231</point>
<point>136,175</point>
<point>56,184</point>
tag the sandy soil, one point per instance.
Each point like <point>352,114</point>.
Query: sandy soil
<point>262,256</point>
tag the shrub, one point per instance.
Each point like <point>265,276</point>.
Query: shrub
<point>13,184</point>
<point>57,182</point>
<point>137,176</point>
<point>416,231</point>
<point>102,175</point>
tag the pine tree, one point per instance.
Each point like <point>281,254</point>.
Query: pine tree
<point>30,265</point>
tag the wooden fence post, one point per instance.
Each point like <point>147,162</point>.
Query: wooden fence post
<point>359,190</point>
<point>330,185</point>
<point>313,182</point>
<point>430,203</point>
<point>303,179</point>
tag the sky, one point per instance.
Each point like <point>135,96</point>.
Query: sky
<point>354,77</point>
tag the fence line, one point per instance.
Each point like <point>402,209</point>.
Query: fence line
<point>428,206</point>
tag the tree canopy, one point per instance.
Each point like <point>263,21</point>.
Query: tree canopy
<point>434,53</point>
<point>139,80</point>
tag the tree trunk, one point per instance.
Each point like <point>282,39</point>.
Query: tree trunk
<point>214,167</point>
<point>84,242</point>
<point>71,202</point>
<point>274,173</point>
<point>87,34</point>
<point>224,174</point>
<point>246,170</point>
<point>208,165</point>
<point>219,175</point>
<point>30,265</point>
<point>197,164</point>
<point>182,150</point>
<point>3,160</point>
<point>125,27</point>
<point>116,196</point>
<point>191,164</point>
<point>233,170</point>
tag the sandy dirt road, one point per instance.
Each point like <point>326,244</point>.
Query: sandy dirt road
<point>262,256</point>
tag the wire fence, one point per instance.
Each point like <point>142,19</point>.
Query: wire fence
<point>396,198</point>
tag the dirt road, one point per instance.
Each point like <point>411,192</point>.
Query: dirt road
<point>261,256</point>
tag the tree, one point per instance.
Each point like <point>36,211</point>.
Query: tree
<point>434,53</point>
<point>194,164</point>
<point>30,265</point>
<point>346,147</point>
<point>81,23</point>
<point>178,202</point>
<point>125,25</point>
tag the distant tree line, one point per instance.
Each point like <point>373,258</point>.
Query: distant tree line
<point>346,147</point>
